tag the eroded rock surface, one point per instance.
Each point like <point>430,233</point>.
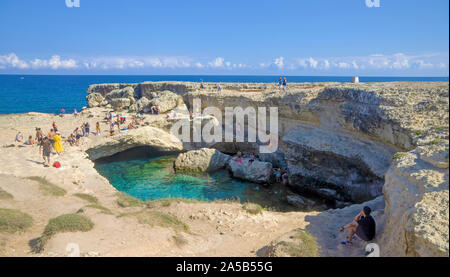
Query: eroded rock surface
<point>256,171</point>
<point>417,203</point>
<point>338,141</point>
<point>202,160</point>
<point>145,136</point>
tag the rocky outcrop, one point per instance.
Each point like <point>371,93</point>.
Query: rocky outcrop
<point>120,104</point>
<point>140,97</point>
<point>417,203</point>
<point>140,105</point>
<point>300,202</point>
<point>127,92</point>
<point>145,136</point>
<point>325,228</point>
<point>202,160</point>
<point>338,140</point>
<point>165,100</point>
<point>256,171</point>
<point>94,100</point>
<point>322,160</point>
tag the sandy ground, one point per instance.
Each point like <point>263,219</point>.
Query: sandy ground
<point>216,229</point>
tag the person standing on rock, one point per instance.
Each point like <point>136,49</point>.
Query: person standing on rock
<point>284,83</point>
<point>363,225</point>
<point>46,148</point>
<point>39,135</point>
<point>97,128</point>
<point>87,128</point>
<point>58,143</point>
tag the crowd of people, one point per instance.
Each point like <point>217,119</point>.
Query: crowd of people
<point>52,142</point>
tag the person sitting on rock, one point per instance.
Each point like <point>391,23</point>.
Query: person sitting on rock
<point>71,140</point>
<point>363,225</point>
<point>19,137</point>
<point>30,141</point>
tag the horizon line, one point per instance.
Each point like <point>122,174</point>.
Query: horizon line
<point>230,75</point>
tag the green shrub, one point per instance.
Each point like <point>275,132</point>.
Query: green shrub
<point>99,207</point>
<point>12,221</point>
<point>47,187</point>
<point>63,224</point>
<point>5,195</point>
<point>124,200</point>
<point>252,208</point>
<point>157,218</point>
<point>441,128</point>
<point>399,155</point>
<point>435,142</point>
<point>303,245</point>
<point>89,198</point>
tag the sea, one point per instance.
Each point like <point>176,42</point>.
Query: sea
<point>51,93</point>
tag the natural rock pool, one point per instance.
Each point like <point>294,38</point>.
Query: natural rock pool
<point>151,178</point>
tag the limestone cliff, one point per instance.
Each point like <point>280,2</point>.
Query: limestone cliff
<point>339,140</point>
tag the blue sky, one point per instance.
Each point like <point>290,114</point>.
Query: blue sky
<point>297,37</point>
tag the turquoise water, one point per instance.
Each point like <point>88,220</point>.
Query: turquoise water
<point>154,178</point>
<point>51,93</point>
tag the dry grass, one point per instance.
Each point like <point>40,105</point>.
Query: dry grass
<point>252,208</point>
<point>4,195</point>
<point>87,197</point>
<point>12,221</point>
<point>62,224</point>
<point>47,187</point>
<point>158,218</point>
<point>100,207</point>
<point>125,201</point>
<point>304,245</point>
<point>399,155</point>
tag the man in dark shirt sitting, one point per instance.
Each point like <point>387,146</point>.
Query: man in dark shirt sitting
<point>363,226</point>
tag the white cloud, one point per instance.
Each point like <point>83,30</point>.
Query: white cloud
<point>217,62</point>
<point>313,63</point>
<point>54,63</point>
<point>399,62</point>
<point>279,62</point>
<point>343,65</point>
<point>11,60</point>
